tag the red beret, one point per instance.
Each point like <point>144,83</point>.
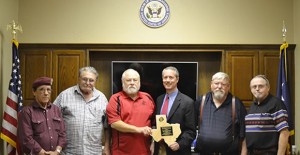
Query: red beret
<point>42,81</point>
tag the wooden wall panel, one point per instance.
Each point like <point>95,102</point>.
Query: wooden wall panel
<point>65,68</point>
<point>34,64</point>
<point>269,61</point>
<point>241,62</point>
<point>242,66</point>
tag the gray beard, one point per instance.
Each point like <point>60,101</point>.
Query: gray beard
<point>218,95</point>
<point>131,90</point>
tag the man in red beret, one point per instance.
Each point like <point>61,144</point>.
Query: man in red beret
<point>41,128</point>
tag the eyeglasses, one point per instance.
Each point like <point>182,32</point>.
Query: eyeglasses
<point>43,90</point>
<point>258,86</point>
<point>86,80</point>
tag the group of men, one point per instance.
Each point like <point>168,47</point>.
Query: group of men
<point>74,122</point>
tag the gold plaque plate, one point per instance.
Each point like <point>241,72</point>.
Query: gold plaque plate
<point>166,131</point>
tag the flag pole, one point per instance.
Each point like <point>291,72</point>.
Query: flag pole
<point>14,27</point>
<point>284,46</point>
<point>14,99</point>
<point>283,32</point>
<point>282,84</point>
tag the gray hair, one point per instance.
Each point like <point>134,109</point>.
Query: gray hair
<point>220,76</point>
<point>173,69</point>
<point>264,78</point>
<point>88,69</point>
<point>128,71</point>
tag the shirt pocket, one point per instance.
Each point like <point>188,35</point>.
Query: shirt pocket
<point>96,114</point>
<point>100,117</point>
<point>56,123</point>
<point>38,126</point>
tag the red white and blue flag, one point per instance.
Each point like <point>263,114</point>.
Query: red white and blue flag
<point>282,85</point>
<point>13,105</point>
<point>283,88</point>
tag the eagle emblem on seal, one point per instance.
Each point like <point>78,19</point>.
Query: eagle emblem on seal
<point>154,13</point>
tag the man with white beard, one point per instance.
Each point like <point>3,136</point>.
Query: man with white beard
<point>130,112</point>
<point>221,120</point>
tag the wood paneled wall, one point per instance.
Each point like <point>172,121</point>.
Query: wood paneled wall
<point>241,62</point>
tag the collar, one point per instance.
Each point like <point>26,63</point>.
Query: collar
<point>77,90</point>
<point>265,101</point>
<point>35,104</point>
<point>173,94</point>
<point>227,101</point>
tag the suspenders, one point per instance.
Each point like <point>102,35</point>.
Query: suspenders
<point>232,114</point>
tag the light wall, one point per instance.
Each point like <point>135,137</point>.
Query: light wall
<point>117,21</point>
<point>191,22</point>
<point>8,13</point>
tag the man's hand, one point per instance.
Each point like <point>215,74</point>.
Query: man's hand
<point>42,152</point>
<point>106,150</point>
<point>144,130</point>
<point>152,148</point>
<point>174,146</point>
<point>51,153</point>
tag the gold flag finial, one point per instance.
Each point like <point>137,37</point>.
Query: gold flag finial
<point>283,32</point>
<point>14,27</point>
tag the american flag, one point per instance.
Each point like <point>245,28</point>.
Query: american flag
<point>283,88</point>
<point>13,104</point>
<point>282,85</point>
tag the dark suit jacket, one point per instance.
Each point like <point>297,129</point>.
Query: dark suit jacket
<point>182,112</point>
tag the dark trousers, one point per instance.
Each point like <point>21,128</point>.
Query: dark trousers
<point>218,153</point>
<point>271,151</point>
<point>214,153</point>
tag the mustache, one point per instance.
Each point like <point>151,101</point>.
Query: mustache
<point>130,87</point>
<point>220,90</point>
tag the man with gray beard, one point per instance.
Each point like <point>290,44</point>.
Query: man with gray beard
<point>130,113</point>
<point>221,120</point>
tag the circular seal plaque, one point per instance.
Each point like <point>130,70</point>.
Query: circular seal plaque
<point>154,13</point>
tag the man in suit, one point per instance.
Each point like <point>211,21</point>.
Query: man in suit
<point>179,108</point>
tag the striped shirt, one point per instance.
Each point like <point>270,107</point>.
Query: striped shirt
<point>83,121</point>
<point>264,122</point>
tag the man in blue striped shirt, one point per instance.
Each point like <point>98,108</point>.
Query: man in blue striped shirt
<point>267,121</point>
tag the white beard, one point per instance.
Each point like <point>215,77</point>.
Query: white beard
<point>131,90</point>
<point>218,94</point>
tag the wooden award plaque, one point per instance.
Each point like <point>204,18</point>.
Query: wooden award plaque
<point>164,130</point>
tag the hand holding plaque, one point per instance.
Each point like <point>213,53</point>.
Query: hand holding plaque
<point>164,130</point>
